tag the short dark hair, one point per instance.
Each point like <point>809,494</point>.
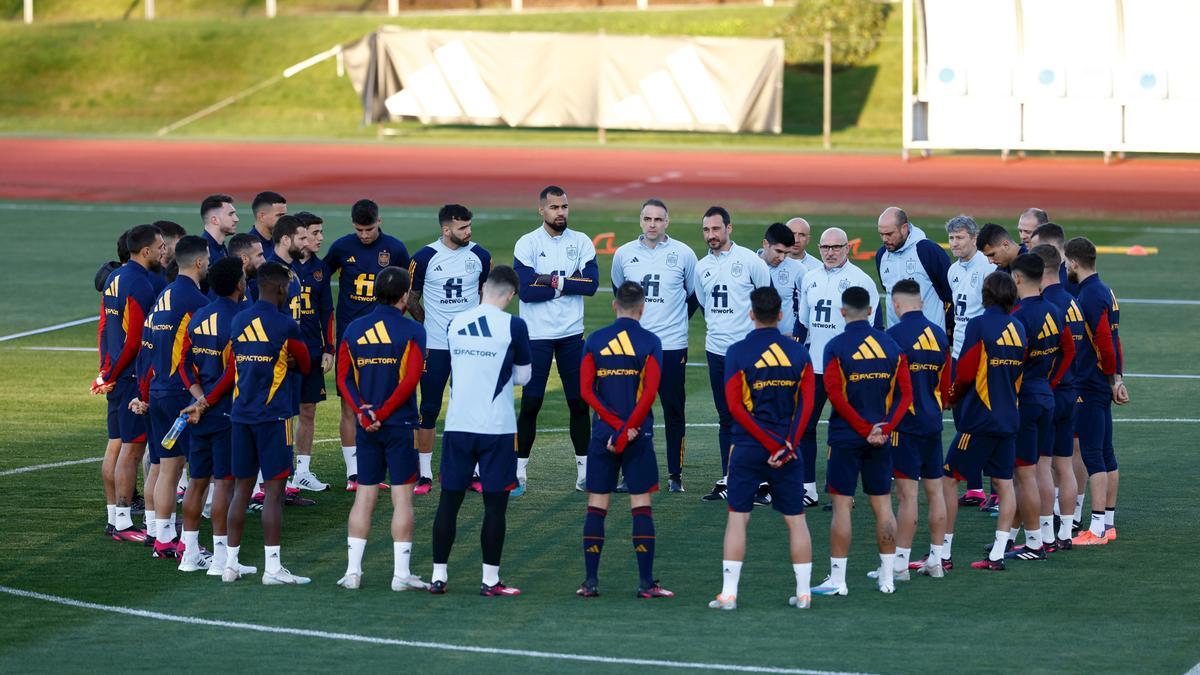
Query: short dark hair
<point>993,235</point>
<point>1051,259</point>
<point>102,274</point>
<point>778,233</point>
<point>1082,251</point>
<point>266,198</point>
<point>857,299</point>
<point>1050,233</point>
<point>286,226</point>
<point>765,303</point>
<point>189,249</point>
<point>718,211</point>
<point>1029,266</point>
<point>213,202</point>
<point>1038,214</point>
<point>451,212</point>
<point>240,243</point>
<point>551,191</point>
<point>275,274</point>
<point>391,284</point>
<point>656,202</point>
<point>224,276</point>
<point>123,247</point>
<point>141,236</point>
<point>364,212</point>
<point>999,289</point>
<point>907,287</point>
<point>502,276</point>
<point>630,295</point>
<point>170,229</point>
<point>309,219</point>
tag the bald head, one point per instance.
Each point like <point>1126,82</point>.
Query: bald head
<point>893,228</point>
<point>835,247</point>
<point>1029,220</point>
<point>802,232</point>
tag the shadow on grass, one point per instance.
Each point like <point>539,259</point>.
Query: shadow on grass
<point>802,94</point>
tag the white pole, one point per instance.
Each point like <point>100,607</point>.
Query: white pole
<point>393,7</point>
<point>906,102</point>
<point>28,11</point>
<point>643,4</point>
<point>149,10</point>
<point>270,9</point>
<point>827,95</point>
<point>769,3</point>
<point>517,5</point>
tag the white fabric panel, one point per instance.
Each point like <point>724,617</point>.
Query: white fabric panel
<point>1072,124</point>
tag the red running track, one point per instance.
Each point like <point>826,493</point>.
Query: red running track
<point>393,174</point>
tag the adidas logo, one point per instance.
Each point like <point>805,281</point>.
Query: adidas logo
<point>111,291</point>
<point>927,341</point>
<point>640,548</point>
<point>619,346</point>
<point>253,333</point>
<point>477,328</point>
<point>592,549</point>
<point>542,254</point>
<point>1010,337</point>
<point>375,335</point>
<point>350,260</point>
<point>438,268</point>
<point>633,260</point>
<point>869,349</point>
<point>1073,313</point>
<point>207,327</point>
<point>1049,328</point>
<point>774,356</point>
<point>164,302</point>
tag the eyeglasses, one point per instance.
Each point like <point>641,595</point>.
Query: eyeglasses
<point>832,247</point>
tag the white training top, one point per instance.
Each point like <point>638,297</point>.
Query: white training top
<point>565,255</point>
<point>449,283</point>
<point>666,273</point>
<point>966,283</point>
<point>486,345</point>
<point>820,306</point>
<point>787,277</point>
<point>723,284</point>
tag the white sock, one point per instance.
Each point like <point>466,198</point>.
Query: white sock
<point>947,546</point>
<point>887,568</point>
<point>151,525</point>
<point>1064,528</point>
<point>522,469</point>
<point>935,555</point>
<point>1109,516</point>
<point>837,571</point>
<point>999,545</point>
<point>803,573</point>
<point>439,572</point>
<point>403,551</point>
<point>112,513</point>
<point>220,551</point>
<point>491,574</point>
<point>426,459</point>
<point>724,480</point>
<point>1047,523</point>
<point>191,544</point>
<point>902,555</point>
<point>1013,533</point>
<point>731,572</point>
<point>271,553</point>
<point>172,524</point>
<point>1097,526</point>
<point>810,490</point>
<point>355,548</point>
<point>121,519</point>
<point>1056,494</point>
<point>302,462</point>
<point>231,557</point>
<point>258,488</point>
<point>166,533</point>
<point>1079,507</point>
<point>350,456</point>
<point>580,468</point>
<point>1033,539</point>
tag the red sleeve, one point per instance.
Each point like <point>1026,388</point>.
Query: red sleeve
<point>964,377</point>
<point>1066,346</point>
<point>345,378</point>
<point>135,317</point>
<point>299,352</point>
<point>144,385</point>
<point>945,384</point>
<point>330,341</point>
<point>587,384</point>
<point>413,363</point>
<point>734,387</point>
<point>835,388</point>
<point>186,371</point>
<point>1106,353</point>
<point>904,379</point>
<point>806,390</point>
<point>651,376</point>
<point>224,384</point>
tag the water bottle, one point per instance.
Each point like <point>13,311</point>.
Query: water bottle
<point>177,428</point>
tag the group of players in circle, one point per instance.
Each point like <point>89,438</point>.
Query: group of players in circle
<point>234,333</point>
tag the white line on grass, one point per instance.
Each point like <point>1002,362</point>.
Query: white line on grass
<point>48,329</point>
<point>55,465</point>
<point>417,644</point>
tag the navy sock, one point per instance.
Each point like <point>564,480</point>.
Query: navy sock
<point>643,544</point>
<point>593,540</point>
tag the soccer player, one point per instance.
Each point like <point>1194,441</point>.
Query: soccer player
<point>769,390</point>
<point>998,246</point>
<point>172,232</point>
<point>1028,222</point>
<point>128,298</point>
<point>356,259</point>
<point>1053,234</point>
<point>489,354</point>
<point>165,388</point>
<point>665,268</point>
<point>802,232</point>
<point>724,279</point>
<point>1099,382</point>
<point>220,221</point>
<point>248,249</point>
<point>113,446</point>
<point>986,381</point>
<point>557,268</point>
<point>206,354</point>
<point>820,318</point>
<point>864,371</point>
<point>267,208</point>
<point>380,360</point>
<point>316,325</point>
<point>1049,354</point>
<point>619,379</point>
<point>447,276</point>
<point>907,254</point>
<point>266,340</point>
<point>787,274</point>
<point>917,442</point>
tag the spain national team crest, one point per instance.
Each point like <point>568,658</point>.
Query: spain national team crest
<point>472,266</point>
<point>672,259</point>
<point>736,270</point>
<point>572,251</point>
<point>911,267</point>
<point>974,278</point>
<point>784,275</point>
<point>318,276</point>
<point>843,285</point>
<point>385,258</point>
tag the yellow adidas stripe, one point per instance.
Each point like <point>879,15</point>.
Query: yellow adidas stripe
<point>381,331</point>
<point>625,343</point>
<point>782,357</point>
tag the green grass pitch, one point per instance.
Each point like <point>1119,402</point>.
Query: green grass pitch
<point>1133,605</point>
